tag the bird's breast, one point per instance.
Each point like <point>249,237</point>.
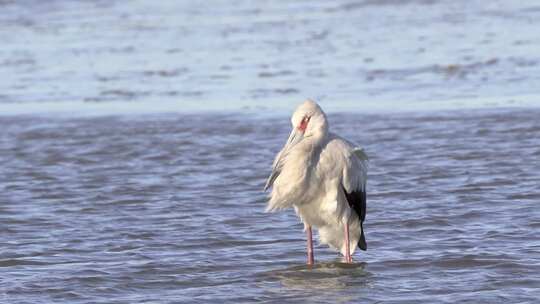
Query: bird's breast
<point>297,179</point>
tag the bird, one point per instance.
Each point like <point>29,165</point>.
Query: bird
<point>323,177</point>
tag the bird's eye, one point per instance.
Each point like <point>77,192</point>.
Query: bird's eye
<point>304,123</point>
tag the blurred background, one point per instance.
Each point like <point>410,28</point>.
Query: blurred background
<point>136,137</point>
<point>179,55</point>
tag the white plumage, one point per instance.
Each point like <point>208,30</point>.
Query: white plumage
<point>323,177</point>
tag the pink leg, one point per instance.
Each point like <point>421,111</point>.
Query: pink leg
<point>348,257</point>
<point>310,259</point>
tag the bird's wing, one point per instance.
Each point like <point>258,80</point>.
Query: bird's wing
<point>354,186</point>
<point>355,172</point>
<point>276,170</point>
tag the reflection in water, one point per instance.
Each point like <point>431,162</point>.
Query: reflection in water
<point>326,279</point>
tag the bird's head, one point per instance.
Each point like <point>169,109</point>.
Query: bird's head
<point>308,121</point>
<point>308,124</point>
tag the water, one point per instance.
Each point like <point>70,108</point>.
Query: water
<point>240,54</point>
<point>169,208</point>
<point>136,139</point>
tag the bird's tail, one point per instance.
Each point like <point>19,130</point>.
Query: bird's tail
<point>362,241</point>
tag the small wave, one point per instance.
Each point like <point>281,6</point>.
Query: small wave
<point>20,262</point>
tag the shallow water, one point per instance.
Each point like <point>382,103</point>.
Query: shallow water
<point>169,208</point>
<point>241,54</point>
<point>136,138</point>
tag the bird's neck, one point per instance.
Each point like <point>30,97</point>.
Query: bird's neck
<point>311,146</point>
<point>317,139</point>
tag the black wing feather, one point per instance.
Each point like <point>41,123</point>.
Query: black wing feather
<point>357,201</point>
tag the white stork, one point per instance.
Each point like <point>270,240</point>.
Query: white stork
<point>323,177</point>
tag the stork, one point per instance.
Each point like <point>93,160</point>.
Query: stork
<point>323,177</point>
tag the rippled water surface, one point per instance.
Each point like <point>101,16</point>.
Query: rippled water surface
<point>136,136</point>
<point>169,208</point>
<point>248,54</point>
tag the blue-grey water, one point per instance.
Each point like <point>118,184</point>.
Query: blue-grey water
<point>169,208</point>
<point>135,139</point>
<point>244,54</point>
